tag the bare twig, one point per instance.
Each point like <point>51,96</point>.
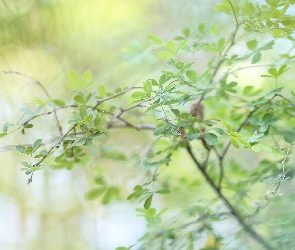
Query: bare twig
<point>45,91</point>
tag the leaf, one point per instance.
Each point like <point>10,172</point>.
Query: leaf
<point>192,137</point>
<point>110,193</point>
<point>192,75</point>
<point>256,147</point>
<point>210,138</point>
<point>148,202</point>
<point>148,87</point>
<point>252,44</point>
<point>79,142</point>
<point>20,149</point>
<point>94,193</point>
<point>220,43</point>
<point>27,111</point>
<point>102,90</point>
<point>165,55</point>
<point>75,81</point>
<point>138,96</point>
<point>87,76</point>
<point>175,112</point>
<point>27,165</point>
<point>219,131</point>
<point>229,128</point>
<point>256,58</point>
<point>102,129</point>
<point>273,72</point>
<point>234,141</point>
<point>163,191</point>
<point>3,134</point>
<point>170,46</point>
<point>245,143</point>
<point>155,39</point>
<point>36,145</point>
<point>248,90</point>
<point>5,126</point>
<point>100,180</point>
<point>59,102</point>
<point>80,99</point>
<point>182,45</point>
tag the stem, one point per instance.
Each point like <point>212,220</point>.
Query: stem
<point>226,202</point>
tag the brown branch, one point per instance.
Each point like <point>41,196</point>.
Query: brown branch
<point>226,202</point>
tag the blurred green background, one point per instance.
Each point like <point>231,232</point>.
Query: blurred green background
<point>44,39</point>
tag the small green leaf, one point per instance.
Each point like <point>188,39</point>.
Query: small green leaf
<point>186,32</point>
<point>102,90</point>
<point>75,81</point>
<point>219,131</point>
<point>138,96</point>
<point>27,165</point>
<point>210,138</point>
<point>165,55</point>
<point>80,99</point>
<point>273,72</point>
<point>192,75</point>
<point>175,112</point>
<point>245,143</point>
<point>100,180</point>
<point>192,137</point>
<point>59,102</point>
<point>170,46</point>
<point>229,128</point>
<point>234,141</point>
<point>256,147</point>
<point>36,145</point>
<point>221,43</point>
<point>148,87</point>
<point>148,202</point>
<point>163,191</point>
<point>79,142</point>
<point>252,44</point>
<point>155,39</point>
<point>256,58</point>
<point>3,134</point>
<point>102,129</point>
<point>87,76</point>
<point>20,149</point>
<point>94,193</point>
<point>27,111</point>
<point>248,90</point>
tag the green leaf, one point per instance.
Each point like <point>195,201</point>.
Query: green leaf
<point>138,96</point>
<point>102,129</point>
<point>94,193</point>
<point>75,81</point>
<point>165,55</point>
<point>186,32</point>
<point>163,191</point>
<point>27,165</point>
<point>20,149</point>
<point>110,193</point>
<point>248,90</point>
<point>192,75</point>
<point>100,180</point>
<point>148,202</point>
<point>175,112</point>
<point>87,76</point>
<point>229,128</point>
<point>273,72</point>
<point>192,137</point>
<point>59,102</point>
<point>256,147</point>
<point>27,111</point>
<point>220,43</point>
<point>182,45</point>
<point>148,87</point>
<point>79,142</point>
<point>252,44</point>
<point>245,143</point>
<point>155,39</point>
<point>36,145</point>
<point>256,58</point>
<point>3,134</point>
<point>210,138</point>
<point>102,90</point>
<point>234,141</point>
<point>80,99</point>
<point>219,131</point>
<point>170,46</point>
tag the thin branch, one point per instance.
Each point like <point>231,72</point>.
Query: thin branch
<point>233,211</point>
<point>45,91</point>
<point>115,95</point>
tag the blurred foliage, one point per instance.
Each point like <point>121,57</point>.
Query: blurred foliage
<point>95,79</point>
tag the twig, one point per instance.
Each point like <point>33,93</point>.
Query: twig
<point>233,211</point>
<point>45,91</point>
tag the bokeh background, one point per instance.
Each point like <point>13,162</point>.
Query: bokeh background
<point>44,39</point>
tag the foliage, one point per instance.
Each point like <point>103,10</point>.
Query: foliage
<point>201,112</point>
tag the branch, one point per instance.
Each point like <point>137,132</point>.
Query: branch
<point>233,211</point>
<point>45,91</point>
